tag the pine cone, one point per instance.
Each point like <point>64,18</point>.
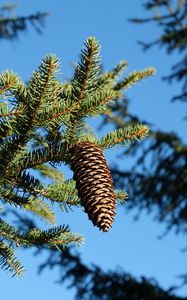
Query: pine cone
<point>94,184</point>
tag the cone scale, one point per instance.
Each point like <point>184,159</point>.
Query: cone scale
<point>94,184</point>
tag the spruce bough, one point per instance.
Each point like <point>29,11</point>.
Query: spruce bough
<point>43,124</point>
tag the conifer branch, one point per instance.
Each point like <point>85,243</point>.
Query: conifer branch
<point>38,207</point>
<point>109,77</point>
<point>98,103</point>
<point>64,193</point>
<point>88,68</point>
<point>9,81</point>
<point>124,136</point>
<point>39,87</point>
<point>44,124</point>
<point>14,196</point>
<point>87,137</point>
<point>121,197</point>
<point>47,171</point>
<point>27,182</point>
<point>36,157</point>
<point>53,237</point>
<point>45,74</point>
<point>84,80</point>
<point>60,235</point>
<point>133,78</point>
<point>8,261</point>
<point>42,155</point>
<point>9,114</point>
<point>54,116</point>
<point>9,195</point>
<point>116,71</point>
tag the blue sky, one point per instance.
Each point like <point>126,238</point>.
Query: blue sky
<point>132,245</point>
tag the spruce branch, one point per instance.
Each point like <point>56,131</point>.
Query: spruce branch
<point>10,195</point>
<point>42,125</point>
<point>41,85</point>
<point>60,235</point>
<point>85,78</point>
<point>117,70</point>
<point>50,172</point>
<point>88,137</point>
<point>99,102</point>
<point>9,82</point>
<point>124,136</point>
<point>33,159</point>
<point>121,197</point>
<point>133,78</point>
<point>41,209</point>
<point>53,237</point>
<point>74,131</point>
<point>27,182</point>
<point>8,261</point>
<point>7,114</point>
<point>63,193</point>
<point>108,78</point>
<point>9,232</point>
<point>5,117</point>
<point>39,89</point>
<point>16,197</point>
<point>6,150</point>
<point>52,116</point>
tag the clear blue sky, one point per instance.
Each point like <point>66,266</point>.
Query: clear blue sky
<point>132,245</point>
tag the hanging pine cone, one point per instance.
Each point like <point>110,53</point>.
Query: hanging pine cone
<point>94,184</point>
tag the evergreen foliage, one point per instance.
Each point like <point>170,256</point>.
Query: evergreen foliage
<point>11,26</point>
<point>171,17</point>
<point>40,123</point>
<point>91,282</point>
